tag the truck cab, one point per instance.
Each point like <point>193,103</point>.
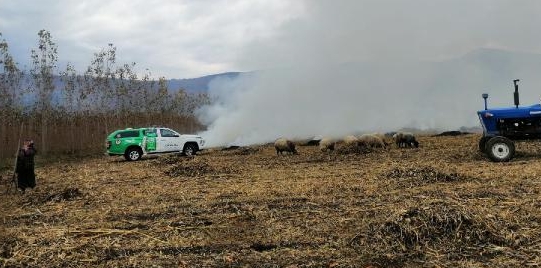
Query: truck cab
<point>168,140</point>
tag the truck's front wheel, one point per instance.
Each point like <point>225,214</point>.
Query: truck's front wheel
<point>189,149</point>
<point>500,149</point>
<point>133,154</point>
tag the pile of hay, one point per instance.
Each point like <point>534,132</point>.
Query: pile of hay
<point>8,244</point>
<point>239,150</point>
<point>451,231</point>
<point>353,148</point>
<point>190,169</point>
<point>66,195</point>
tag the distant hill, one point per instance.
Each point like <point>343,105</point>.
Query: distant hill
<point>488,69</point>
<point>199,84</point>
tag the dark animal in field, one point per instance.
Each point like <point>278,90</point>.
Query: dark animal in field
<point>405,140</point>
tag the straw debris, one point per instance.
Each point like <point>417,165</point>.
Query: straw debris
<point>353,148</point>
<point>417,176</point>
<point>66,195</point>
<point>437,227</point>
<point>195,167</point>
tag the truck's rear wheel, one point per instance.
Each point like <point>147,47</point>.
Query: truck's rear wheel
<point>500,149</point>
<point>133,154</point>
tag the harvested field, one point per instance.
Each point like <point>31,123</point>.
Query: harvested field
<point>440,205</point>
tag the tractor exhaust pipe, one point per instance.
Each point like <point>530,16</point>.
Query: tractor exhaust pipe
<point>485,96</point>
<point>515,95</point>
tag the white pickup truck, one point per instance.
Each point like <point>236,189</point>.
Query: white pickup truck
<point>134,143</point>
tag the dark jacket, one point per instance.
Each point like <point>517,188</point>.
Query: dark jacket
<point>25,168</point>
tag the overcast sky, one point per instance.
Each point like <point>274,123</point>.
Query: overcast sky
<point>181,39</point>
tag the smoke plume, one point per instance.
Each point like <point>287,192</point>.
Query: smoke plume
<point>348,67</point>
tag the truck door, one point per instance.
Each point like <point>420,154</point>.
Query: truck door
<point>150,140</point>
<point>168,141</point>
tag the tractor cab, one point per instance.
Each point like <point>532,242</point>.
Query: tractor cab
<point>502,126</point>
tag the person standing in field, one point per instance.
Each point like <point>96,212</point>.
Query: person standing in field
<point>26,178</point>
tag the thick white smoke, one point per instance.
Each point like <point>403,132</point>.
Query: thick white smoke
<point>360,66</point>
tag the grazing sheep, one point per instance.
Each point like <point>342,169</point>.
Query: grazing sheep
<point>409,140</point>
<point>383,137</point>
<point>283,145</point>
<point>326,144</point>
<point>405,139</point>
<point>371,141</point>
<point>397,137</point>
<point>351,140</point>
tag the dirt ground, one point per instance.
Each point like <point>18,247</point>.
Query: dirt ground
<point>441,205</point>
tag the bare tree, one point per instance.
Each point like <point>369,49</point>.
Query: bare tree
<point>160,100</point>
<point>10,78</point>
<point>44,61</point>
<point>70,102</point>
<point>147,85</point>
<point>10,95</point>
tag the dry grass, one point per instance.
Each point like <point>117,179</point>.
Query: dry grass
<point>442,204</point>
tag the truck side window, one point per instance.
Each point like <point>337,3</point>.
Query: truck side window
<point>151,131</point>
<point>168,133</point>
<point>128,134</point>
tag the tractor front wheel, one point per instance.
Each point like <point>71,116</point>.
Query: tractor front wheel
<point>483,143</point>
<point>500,149</point>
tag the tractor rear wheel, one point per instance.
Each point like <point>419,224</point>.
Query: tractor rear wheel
<point>500,149</point>
<point>483,143</point>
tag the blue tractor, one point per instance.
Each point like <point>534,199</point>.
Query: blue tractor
<point>503,126</point>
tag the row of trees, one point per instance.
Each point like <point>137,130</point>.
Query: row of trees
<point>70,112</point>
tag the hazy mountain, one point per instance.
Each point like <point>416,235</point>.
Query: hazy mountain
<point>481,69</point>
<point>199,84</point>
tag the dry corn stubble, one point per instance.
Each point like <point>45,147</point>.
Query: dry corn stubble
<point>442,204</point>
